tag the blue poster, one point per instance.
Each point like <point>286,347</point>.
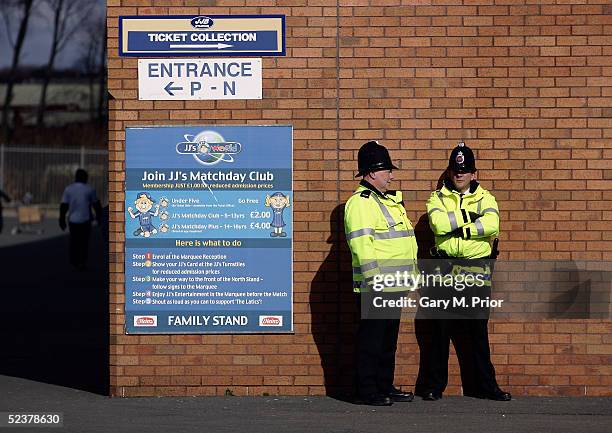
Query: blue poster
<point>208,229</point>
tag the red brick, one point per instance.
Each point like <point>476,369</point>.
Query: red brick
<point>526,85</point>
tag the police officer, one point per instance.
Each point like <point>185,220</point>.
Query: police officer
<point>464,217</point>
<point>381,239</point>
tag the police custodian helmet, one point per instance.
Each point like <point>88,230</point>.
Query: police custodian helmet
<point>373,157</point>
<point>462,159</point>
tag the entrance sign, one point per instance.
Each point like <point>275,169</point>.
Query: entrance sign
<point>210,35</point>
<point>208,229</point>
<point>184,79</point>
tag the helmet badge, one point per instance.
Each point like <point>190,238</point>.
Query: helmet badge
<point>459,159</point>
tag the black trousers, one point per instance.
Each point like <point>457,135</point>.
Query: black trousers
<point>471,340</point>
<point>376,345</point>
<point>79,243</point>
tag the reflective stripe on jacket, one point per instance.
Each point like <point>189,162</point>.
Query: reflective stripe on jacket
<point>380,236</point>
<point>454,230</point>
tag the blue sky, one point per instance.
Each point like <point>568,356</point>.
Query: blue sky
<point>38,41</point>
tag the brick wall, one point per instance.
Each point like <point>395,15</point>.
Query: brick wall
<point>527,84</point>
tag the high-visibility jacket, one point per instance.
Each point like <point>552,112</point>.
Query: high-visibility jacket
<point>455,231</point>
<point>380,237</point>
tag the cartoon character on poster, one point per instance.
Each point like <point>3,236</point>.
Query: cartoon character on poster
<point>144,203</point>
<point>278,202</point>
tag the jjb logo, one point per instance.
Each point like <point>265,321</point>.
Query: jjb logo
<point>201,22</point>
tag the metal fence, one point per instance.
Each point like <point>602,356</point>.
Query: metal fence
<point>42,174</point>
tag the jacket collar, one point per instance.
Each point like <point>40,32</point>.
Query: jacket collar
<point>371,187</point>
<point>391,194</point>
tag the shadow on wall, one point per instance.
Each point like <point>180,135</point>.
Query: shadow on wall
<point>54,320</point>
<point>422,231</point>
<point>334,314</point>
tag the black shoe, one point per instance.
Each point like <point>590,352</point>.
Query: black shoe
<point>498,395</point>
<point>432,396</point>
<point>398,395</point>
<point>375,400</point>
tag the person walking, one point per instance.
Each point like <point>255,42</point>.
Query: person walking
<point>78,200</point>
<point>3,196</point>
<point>381,239</point>
<point>464,217</point>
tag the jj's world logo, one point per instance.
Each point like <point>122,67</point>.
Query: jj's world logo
<point>209,148</point>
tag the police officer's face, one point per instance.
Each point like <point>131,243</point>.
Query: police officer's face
<point>381,179</point>
<point>461,181</point>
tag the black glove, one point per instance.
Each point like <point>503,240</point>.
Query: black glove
<point>457,233</point>
<point>62,224</point>
<point>473,216</point>
<point>435,253</point>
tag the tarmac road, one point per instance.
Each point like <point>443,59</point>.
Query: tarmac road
<point>86,412</point>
